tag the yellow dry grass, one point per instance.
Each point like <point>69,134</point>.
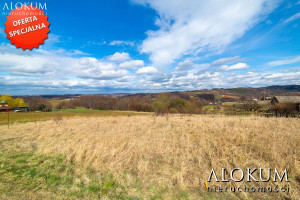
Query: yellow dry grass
<point>178,152</point>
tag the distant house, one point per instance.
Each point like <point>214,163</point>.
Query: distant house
<point>21,109</point>
<point>4,106</point>
<point>286,99</point>
<point>3,103</point>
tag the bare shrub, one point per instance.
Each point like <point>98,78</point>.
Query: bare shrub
<point>249,106</point>
<point>38,103</point>
<point>57,117</point>
<point>285,109</point>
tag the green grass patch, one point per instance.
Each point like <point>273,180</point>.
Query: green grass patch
<point>84,110</point>
<point>56,102</point>
<point>209,107</point>
<point>68,113</point>
<point>43,174</point>
<point>239,90</point>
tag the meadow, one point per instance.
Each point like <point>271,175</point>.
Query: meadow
<point>23,117</point>
<point>143,157</point>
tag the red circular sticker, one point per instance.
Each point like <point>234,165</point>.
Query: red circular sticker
<point>27,27</point>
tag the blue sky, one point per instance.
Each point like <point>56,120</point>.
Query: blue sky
<point>124,46</point>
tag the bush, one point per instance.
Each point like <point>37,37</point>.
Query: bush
<point>161,105</point>
<point>285,109</point>
<point>192,107</point>
<point>178,105</point>
<point>249,106</point>
<point>45,107</point>
<point>57,117</point>
<point>173,110</point>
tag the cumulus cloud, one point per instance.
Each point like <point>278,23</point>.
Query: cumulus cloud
<point>120,42</point>
<point>233,67</point>
<point>283,76</point>
<point>161,78</point>
<point>147,70</point>
<point>104,75</point>
<point>60,66</point>
<point>284,62</point>
<point>194,26</point>
<point>127,79</point>
<point>132,64</point>
<point>46,73</point>
<point>184,65</point>
<point>40,74</point>
<point>119,57</point>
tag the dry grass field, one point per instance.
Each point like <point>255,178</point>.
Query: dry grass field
<point>144,157</point>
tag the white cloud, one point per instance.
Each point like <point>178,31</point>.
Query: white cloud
<point>120,42</point>
<point>227,60</point>
<point>93,43</point>
<point>40,74</point>
<point>283,76</point>
<point>133,64</point>
<point>127,79</point>
<point>119,57</point>
<point>147,70</point>
<point>184,65</point>
<point>292,18</point>
<point>233,67</point>
<point>39,65</point>
<point>52,38</point>
<point>59,72</point>
<point>104,75</point>
<point>61,52</point>
<point>284,62</point>
<point>95,69</point>
<point>193,26</point>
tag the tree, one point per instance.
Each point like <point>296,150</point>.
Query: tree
<point>193,107</point>
<point>18,102</point>
<point>161,105</point>
<point>178,105</point>
<point>45,107</point>
<point>38,103</point>
<point>251,106</point>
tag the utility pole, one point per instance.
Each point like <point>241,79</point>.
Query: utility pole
<point>34,117</point>
<point>8,119</point>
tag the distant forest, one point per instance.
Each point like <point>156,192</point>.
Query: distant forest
<point>160,103</point>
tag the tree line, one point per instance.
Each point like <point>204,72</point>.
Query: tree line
<point>161,104</point>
